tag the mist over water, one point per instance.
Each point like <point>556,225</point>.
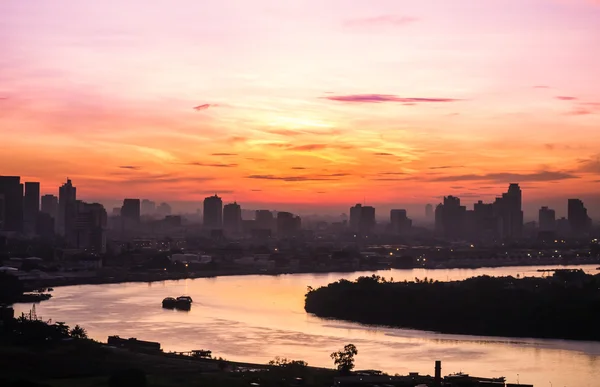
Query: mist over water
<point>255,318</point>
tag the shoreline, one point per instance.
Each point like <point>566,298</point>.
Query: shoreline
<point>41,283</point>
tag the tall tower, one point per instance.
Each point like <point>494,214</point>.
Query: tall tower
<point>31,207</point>
<point>11,202</point>
<point>213,213</point>
<point>232,219</point>
<point>67,211</point>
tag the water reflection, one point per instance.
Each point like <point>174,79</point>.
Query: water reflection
<point>255,318</point>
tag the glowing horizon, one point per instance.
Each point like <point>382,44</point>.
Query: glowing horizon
<point>302,101</point>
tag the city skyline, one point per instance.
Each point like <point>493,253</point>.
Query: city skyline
<point>294,103</point>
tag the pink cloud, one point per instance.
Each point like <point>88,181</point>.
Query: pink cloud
<point>565,98</point>
<point>377,98</point>
<point>202,107</point>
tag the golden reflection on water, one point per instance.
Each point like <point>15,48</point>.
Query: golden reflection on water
<point>255,318</point>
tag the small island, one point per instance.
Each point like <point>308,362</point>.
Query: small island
<point>564,305</point>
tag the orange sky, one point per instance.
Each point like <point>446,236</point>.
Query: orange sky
<point>302,101</point>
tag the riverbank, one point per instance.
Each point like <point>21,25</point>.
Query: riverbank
<point>564,306</point>
<point>112,276</point>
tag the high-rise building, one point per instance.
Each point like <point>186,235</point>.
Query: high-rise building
<point>67,212</point>
<point>579,220</point>
<point>232,219</point>
<point>429,212</point>
<point>362,219</point>
<point>400,222</point>
<point>90,227</point>
<point>547,220</point>
<point>31,207</point>
<point>264,220</point>
<point>163,210</point>
<point>50,206</point>
<point>508,209</point>
<point>439,220</point>
<point>213,213</point>
<point>130,213</point>
<point>11,214</point>
<point>148,207</point>
<point>483,224</point>
<point>451,218</point>
<point>288,225</point>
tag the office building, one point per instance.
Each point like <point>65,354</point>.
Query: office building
<point>362,219</point>
<point>264,220</point>
<point>508,209</point>
<point>232,219</point>
<point>148,207</point>
<point>67,212</point>
<point>288,225</point>
<point>579,220</point>
<point>50,206</point>
<point>429,212</point>
<point>130,214</point>
<point>90,227</point>
<point>11,191</point>
<point>213,213</point>
<point>400,223</point>
<point>451,218</point>
<point>163,210</point>
<point>45,226</point>
<point>31,207</point>
<point>547,220</point>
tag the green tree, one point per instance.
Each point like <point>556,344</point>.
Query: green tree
<point>344,359</point>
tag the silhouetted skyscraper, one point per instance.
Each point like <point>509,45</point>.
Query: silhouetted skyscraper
<point>547,220</point>
<point>11,213</point>
<point>50,205</point>
<point>148,207</point>
<point>67,212</point>
<point>400,222</point>
<point>213,213</point>
<point>429,212</point>
<point>451,218</point>
<point>578,218</point>
<point>287,224</point>
<point>163,209</point>
<point>362,219</point>
<point>31,207</point>
<point>232,219</point>
<point>509,212</point>
<point>264,220</point>
<point>130,211</point>
<point>90,227</point>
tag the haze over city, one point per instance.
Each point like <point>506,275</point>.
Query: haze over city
<point>307,106</point>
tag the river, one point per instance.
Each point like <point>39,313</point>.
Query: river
<point>255,318</point>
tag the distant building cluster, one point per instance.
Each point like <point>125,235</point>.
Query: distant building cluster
<point>86,226</point>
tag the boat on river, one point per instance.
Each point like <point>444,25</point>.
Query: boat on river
<point>181,303</point>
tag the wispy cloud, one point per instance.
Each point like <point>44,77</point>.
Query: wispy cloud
<point>383,154</point>
<point>579,112</point>
<point>202,107</point>
<point>379,21</point>
<point>378,98</point>
<point>216,165</point>
<point>224,154</point>
<point>590,165</point>
<point>298,168</point>
<point>541,87</point>
<point>506,177</point>
<point>311,147</point>
<point>446,167</point>
<point>134,167</point>
<point>393,173</point>
<point>566,98</point>
<point>289,178</point>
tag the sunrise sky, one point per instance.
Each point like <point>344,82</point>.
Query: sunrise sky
<point>313,101</point>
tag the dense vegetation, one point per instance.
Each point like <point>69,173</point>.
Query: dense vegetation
<point>566,305</point>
